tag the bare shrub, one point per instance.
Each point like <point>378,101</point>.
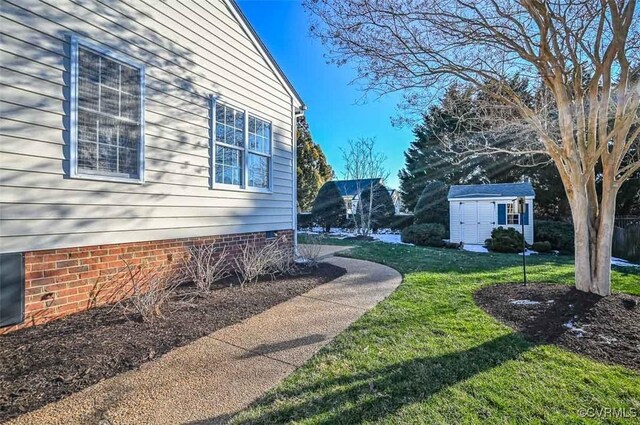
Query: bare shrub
<point>270,259</point>
<point>151,288</point>
<point>283,259</point>
<point>310,250</point>
<point>205,265</point>
<point>250,264</point>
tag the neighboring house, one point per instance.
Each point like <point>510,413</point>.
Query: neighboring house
<point>350,189</point>
<point>397,201</point>
<point>475,210</point>
<point>133,130</point>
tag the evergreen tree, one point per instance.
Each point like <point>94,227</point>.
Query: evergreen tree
<point>435,154</point>
<point>430,157</point>
<point>433,206</point>
<point>329,209</point>
<point>313,170</point>
<point>381,206</point>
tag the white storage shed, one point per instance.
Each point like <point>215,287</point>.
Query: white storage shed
<point>476,209</point>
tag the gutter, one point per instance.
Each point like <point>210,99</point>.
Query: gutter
<point>297,112</point>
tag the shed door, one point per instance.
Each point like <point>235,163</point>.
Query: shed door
<point>469,222</point>
<point>486,220</point>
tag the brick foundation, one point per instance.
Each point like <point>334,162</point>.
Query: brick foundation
<point>61,282</point>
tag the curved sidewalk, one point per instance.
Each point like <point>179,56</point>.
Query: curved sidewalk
<point>211,379</point>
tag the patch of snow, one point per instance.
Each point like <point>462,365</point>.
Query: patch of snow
<point>383,235</point>
<point>579,332</point>
<point>622,263</point>
<point>389,238</point>
<point>524,302</point>
<point>608,339</point>
<point>483,250</point>
<point>475,248</point>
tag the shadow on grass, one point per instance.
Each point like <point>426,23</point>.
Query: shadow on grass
<point>377,393</point>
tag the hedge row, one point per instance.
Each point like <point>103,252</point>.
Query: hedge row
<point>558,233</point>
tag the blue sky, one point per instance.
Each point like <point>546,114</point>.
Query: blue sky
<point>336,111</point>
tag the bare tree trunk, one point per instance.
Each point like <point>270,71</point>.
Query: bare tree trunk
<point>602,272</point>
<point>593,241</point>
<point>580,213</point>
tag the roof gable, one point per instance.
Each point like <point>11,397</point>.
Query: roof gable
<point>264,52</point>
<point>497,190</point>
<point>350,187</point>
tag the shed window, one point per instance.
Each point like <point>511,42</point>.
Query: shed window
<point>512,215</point>
<point>108,131</point>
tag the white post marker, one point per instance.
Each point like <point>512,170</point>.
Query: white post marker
<point>520,205</point>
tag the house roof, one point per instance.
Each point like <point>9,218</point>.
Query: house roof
<point>262,48</point>
<point>350,187</point>
<point>497,190</point>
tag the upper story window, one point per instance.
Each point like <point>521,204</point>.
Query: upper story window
<point>512,215</point>
<point>242,149</point>
<point>107,115</point>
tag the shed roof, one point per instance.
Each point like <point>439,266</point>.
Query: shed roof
<point>497,190</point>
<point>350,187</point>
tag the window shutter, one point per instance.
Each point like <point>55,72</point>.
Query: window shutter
<point>525,216</point>
<point>11,288</point>
<point>502,214</point>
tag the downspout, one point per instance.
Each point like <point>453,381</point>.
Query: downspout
<point>294,128</point>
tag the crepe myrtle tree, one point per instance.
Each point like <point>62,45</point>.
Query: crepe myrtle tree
<point>364,164</point>
<point>580,58</point>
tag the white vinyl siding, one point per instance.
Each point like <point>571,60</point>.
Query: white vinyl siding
<point>189,50</point>
<point>471,221</point>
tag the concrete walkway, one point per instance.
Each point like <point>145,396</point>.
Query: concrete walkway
<point>211,379</point>
<point>327,251</point>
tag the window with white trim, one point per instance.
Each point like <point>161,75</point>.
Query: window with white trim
<point>108,136</point>
<point>242,149</point>
<point>230,145</point>
<point>512,215</point>
<point>259,157</point>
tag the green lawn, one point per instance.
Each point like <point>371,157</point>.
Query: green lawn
<point>428,355</point>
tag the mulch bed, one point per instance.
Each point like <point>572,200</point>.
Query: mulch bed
<point>43,364</point>
<point>606,329</point>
